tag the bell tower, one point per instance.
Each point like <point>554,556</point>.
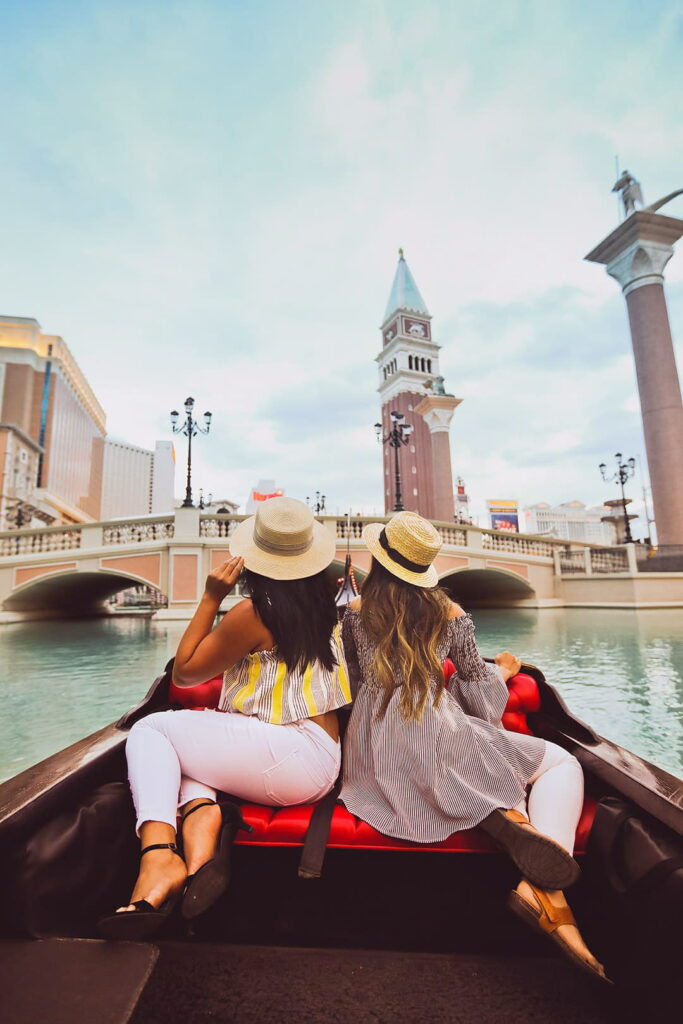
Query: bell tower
<point>408,374</point>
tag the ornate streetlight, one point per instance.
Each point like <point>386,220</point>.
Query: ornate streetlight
<point>398,435</point>
<point>319,503</point>
<point>190,428</point>
<point>624,472</point>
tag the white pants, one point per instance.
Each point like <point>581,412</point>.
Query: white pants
<point>177,756</point>
<point>555,800</point>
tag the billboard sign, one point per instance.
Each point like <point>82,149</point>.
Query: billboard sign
<point>504,515</point>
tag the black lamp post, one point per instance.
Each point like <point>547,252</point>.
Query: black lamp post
<point>624,472</point>
<point>319,503</point>
<point>398,435</point>
<point>190,428</point>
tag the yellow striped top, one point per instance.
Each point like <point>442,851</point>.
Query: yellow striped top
<point>261,685</point>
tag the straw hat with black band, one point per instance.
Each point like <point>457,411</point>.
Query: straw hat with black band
<point>406,546</point>
<point>283,541</point>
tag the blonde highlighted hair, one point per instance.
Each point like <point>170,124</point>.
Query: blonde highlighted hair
<point>405,623</point>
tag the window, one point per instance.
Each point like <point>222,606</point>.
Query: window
<point>412,448</point>
<point>414,469</point>
<point>415,491</point>
<point>429,366</point>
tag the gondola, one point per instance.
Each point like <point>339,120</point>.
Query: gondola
<point>390,931</point>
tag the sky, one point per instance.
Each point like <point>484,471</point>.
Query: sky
<point>207,198</point>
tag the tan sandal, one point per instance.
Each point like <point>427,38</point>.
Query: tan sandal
<point>546,919</point>
<point>539,858</point>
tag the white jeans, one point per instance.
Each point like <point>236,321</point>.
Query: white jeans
<point>556,796</point>
<point>177,756</point>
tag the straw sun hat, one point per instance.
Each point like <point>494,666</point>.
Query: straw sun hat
<point>283,541</point>
<point>406,546</point>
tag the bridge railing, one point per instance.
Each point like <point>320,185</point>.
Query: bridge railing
<point>35,542</point>
<point>139,531</point>
<point>596,561</point>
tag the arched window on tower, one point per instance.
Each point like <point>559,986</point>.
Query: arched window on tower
<point>410,362</point>
<point>423,365</point>
<point>429,366</point>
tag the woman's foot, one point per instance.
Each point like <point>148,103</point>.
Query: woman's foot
<point>539,858</point>
<point>201,827</point>
<point>162,874</point>
<point>550,913</point>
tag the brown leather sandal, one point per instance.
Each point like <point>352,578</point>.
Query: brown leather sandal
<point>546,919</point>
<point>540,859</point>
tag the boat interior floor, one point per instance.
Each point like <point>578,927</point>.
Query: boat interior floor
<point>272,985</point>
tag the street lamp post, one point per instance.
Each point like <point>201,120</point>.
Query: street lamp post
<point>190,428</point>
<point>319,503</point>
<point>624,472</point>
<point>398,435</point>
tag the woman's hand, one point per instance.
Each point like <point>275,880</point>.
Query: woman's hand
<point>509,664</point>
<point>220,582</point>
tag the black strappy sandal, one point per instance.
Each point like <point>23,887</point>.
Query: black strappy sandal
<point>206,885</point>
<point>145,920</point>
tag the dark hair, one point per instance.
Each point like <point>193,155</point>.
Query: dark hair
<point>300,614</point>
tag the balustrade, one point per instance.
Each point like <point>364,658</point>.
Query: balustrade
<point>497,540</point>
<point>38,541</point>
<point>572,561</point>
<point>608,560</point>
<point>218,526</point>
<point>140,532</point>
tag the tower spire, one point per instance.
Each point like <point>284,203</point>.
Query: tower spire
<point>404,292</point>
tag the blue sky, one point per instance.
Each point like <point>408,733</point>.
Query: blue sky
<point>208,197</point>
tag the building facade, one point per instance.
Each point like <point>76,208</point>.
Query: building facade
<point>571,520</point>
<point>410,383</point>
<point>45,397</point>
<point>127,481</point>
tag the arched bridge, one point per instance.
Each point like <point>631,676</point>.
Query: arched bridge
<point>72,570</point>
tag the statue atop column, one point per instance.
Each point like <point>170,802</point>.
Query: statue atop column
<point>631,194</point>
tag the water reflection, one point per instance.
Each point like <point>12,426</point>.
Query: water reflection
<point>621,671</point>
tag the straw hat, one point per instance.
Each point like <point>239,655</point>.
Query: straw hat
<point>406,546</point>
<point>283,541</point>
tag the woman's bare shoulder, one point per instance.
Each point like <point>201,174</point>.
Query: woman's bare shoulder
<point>355,604</point>
<point>455,611</point>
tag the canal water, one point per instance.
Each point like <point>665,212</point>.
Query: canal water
<point>621,671</point>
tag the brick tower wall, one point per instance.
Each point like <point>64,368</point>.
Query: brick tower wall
<point>422,479</point>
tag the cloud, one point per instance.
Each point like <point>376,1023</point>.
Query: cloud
<point>208,200</point>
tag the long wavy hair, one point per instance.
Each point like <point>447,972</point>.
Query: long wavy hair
<point>405,623</point>
<point>300,614</point>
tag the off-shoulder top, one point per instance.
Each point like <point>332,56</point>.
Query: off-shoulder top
<point>423,780</point>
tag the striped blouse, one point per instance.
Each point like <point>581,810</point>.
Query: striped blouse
<point>425,780</point>
<point>261,685</point>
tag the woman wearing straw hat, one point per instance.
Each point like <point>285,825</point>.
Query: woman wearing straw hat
<point>422,762</point>
<point>278,744</point>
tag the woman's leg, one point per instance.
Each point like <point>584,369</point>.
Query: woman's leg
<point>556,797</point>
<point>176,758</point>
<point>554,808</point>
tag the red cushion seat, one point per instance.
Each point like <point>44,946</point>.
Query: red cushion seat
<point>286,826</point>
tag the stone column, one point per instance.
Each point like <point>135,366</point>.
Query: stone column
<point>635,254</point>
<point>437,412</point>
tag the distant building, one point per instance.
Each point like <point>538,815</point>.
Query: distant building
<point>571,520</point>
<point>264,490</point>
<point>48,410</point>
<point>129,481</point>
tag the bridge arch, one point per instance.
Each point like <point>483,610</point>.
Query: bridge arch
<point>71,593</point>
<point>487,587</point>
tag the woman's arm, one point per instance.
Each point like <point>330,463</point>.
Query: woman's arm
<point>204,652</point>
<point>478,687</point>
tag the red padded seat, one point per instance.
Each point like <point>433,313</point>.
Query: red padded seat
<point>286,826</point>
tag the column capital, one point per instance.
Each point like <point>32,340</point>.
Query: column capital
<point>437,411</point>
<point>636,252</point>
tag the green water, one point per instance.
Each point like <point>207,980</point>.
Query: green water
<point>620,671</point>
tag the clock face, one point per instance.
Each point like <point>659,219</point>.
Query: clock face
<point>391,332</point>
<point>415,328</point>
